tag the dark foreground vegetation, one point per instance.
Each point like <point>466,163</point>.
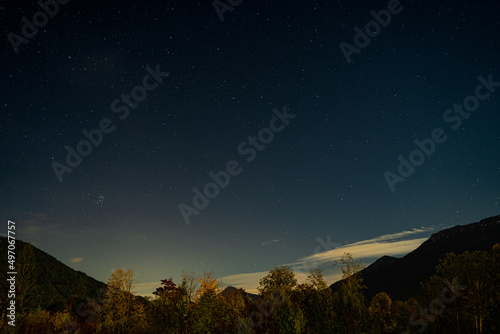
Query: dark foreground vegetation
<point>462,297</point>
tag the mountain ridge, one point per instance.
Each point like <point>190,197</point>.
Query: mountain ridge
<point>401,277</point>
<point>57,286</point>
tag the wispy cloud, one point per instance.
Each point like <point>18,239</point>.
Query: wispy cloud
<point>388,244</point>
<point>40,216</point>
<point>399,235</point>
<point>364,250</point>
<point>247,281</point>
<point>146,289</point>
<point>31,226</point>
<point>31,230</point>
<point>271,241</point>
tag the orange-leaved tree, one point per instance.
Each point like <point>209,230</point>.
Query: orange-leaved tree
<point>208,284</point>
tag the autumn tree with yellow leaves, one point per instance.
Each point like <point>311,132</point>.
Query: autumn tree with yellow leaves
<point>121,312</point>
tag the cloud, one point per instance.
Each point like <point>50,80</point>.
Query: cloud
<point>40,215</point>
<point>388,244</point>
<point>361,250</point>
<point>248,281</point>
<point>31,230</point>
<point>146,289</point>
<point>394,236</point>
<point>32,225</point>
<point>77,259</point>
<point>271,241</point>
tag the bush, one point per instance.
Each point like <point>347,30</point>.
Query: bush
<point>38,322</point>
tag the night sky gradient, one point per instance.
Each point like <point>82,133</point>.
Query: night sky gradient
<point>321,177</point>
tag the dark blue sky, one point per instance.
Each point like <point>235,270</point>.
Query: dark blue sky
<point>320,175</point>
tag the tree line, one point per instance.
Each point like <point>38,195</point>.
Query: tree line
<point>461,297</point>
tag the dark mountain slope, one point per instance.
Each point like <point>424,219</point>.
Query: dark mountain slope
<point>401,277</point>
<point>227,291</point>
<point>56,285</point>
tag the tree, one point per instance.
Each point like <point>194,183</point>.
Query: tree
<point>208,284</point>
<point>119,296</point>
<point>469,279</point>
<point>288,316</point>
<point>120,311</point>
<point>316,280</point>
<point>403,311</point>
<point>212,314</point>
<point>37,321</point>
<point>169,290</point>
<point>438,295</point>
<point>495,297</point>
<point>164,316</point>
<point>350,272</point>
<point>62,321</point>
<point>315,300</point>
<point>282,279</point>
<point>171,311</point>
<point>381,311</point>
<point>349,297</point>
<point>239,303</point>
<point>277,311</point>
<point>191,284</point>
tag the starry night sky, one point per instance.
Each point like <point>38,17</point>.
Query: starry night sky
<point>320,178</point>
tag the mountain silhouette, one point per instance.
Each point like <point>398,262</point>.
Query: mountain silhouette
<point>401,277</point>
<point>57,286</point>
